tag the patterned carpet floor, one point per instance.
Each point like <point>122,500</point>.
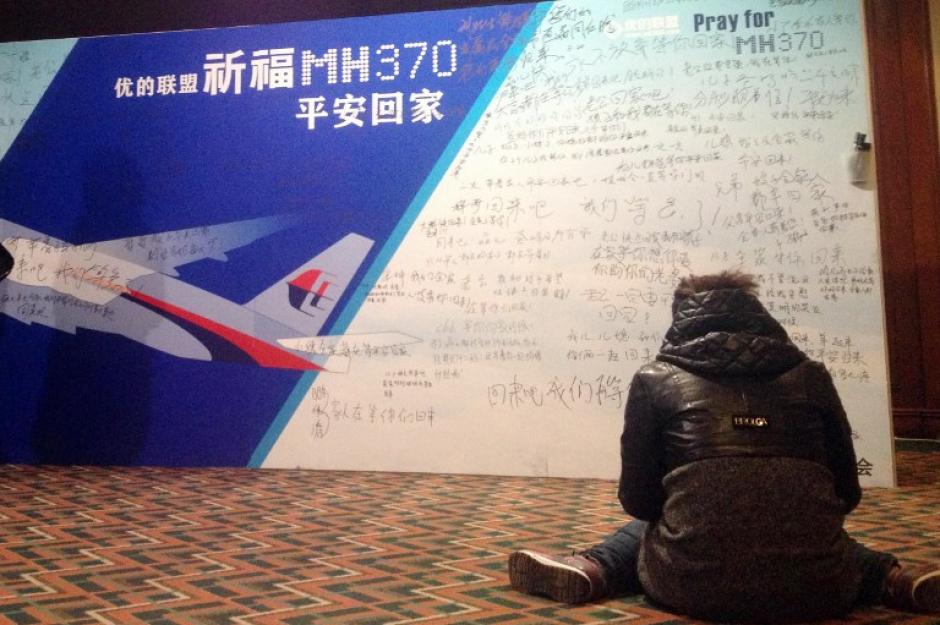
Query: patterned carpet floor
<point>85,546</point>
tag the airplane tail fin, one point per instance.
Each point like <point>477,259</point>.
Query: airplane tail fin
<point>304,298</point>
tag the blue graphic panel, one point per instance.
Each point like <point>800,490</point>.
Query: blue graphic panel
<point>118,149</point>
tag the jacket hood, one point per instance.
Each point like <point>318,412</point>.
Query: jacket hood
<point>728,332</point>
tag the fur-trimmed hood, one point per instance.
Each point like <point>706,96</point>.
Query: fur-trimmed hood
<point>728,332</point>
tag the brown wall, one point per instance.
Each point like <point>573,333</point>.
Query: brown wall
<point>908,161</point>
<point>905,140</point>
<point>22,20</point>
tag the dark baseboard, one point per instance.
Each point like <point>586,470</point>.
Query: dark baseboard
<point>919,423</point>
<point>916,444</point>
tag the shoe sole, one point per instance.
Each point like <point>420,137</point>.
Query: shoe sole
<point>926,592</point>
<point>534,574</point>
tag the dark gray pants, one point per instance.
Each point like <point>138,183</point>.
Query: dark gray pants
<point>618,555</point>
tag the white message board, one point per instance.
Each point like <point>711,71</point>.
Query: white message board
<point>630,143</point>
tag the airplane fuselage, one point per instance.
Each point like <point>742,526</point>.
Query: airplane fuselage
<point>183,320</point>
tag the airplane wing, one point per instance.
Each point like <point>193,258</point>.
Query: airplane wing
<point>165,251</point>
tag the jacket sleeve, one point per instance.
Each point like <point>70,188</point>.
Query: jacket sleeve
<point>641,489</point>
<point>840,452</point>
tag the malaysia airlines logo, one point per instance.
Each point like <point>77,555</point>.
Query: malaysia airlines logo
<point>308,291</point>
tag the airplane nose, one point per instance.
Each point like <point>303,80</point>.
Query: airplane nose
<point>6,262</point>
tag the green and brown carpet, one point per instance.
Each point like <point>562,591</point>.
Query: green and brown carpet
<point>83,546</point>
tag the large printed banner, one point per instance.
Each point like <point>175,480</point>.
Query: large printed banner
<point>425,242</point>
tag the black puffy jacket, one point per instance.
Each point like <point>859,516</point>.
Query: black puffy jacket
<point>6,262</point>
<point>737,449</point>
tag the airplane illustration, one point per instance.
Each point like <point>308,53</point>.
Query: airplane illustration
<point>128,287</point>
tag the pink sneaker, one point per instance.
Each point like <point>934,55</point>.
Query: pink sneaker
<point>569,579</point>
<point>915,587</point>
